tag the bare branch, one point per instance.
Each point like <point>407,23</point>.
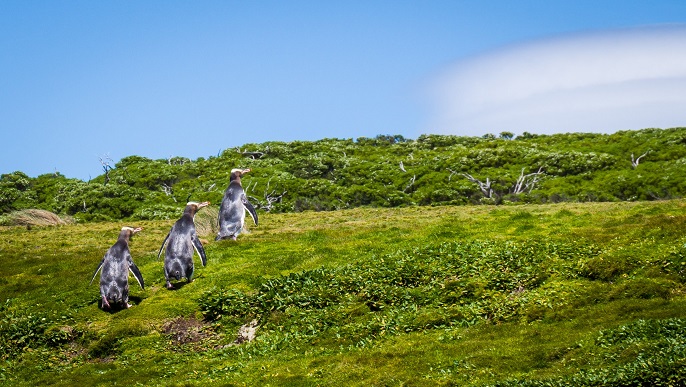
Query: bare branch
<point>411,183</point>
<point>452,173</point>
<point>402,167</point>
<point>253,155</point>
<point>106,166</point>
<point>169,191</point>
<point>271,197</point>
<point>484,187</point>
<point>247,189</point>
<point>526,182</point>
<point>635,162</point>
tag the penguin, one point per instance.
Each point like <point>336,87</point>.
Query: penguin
<point>115,265</point>
<point>233,207</point>
<point>181,241</point>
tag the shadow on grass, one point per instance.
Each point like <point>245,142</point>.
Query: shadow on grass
<point>181,284</point>
<point>114,308</point>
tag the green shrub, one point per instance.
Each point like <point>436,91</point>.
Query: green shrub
<point>448,284</point>
<point>21,330</point>
<point>157,212</point>
<point>227,304</point>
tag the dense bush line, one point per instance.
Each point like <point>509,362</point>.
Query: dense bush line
<point>386,171</point>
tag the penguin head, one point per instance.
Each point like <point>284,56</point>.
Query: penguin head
<point>129,231</point>
<point>193,207</point>
<point>197,205</point>
<point>236,173</point>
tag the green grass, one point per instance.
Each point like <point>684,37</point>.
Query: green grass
<point>568,294</point>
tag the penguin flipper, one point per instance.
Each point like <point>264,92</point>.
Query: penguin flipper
<point>199,249</point>
<point>163,244</point>
<point>136,273</point>
<point>97,270</point>
<point>134,270</point>
<point>250,208</point>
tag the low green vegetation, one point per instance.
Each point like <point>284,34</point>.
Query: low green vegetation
<point>382,172</point>
<point>584,294</point>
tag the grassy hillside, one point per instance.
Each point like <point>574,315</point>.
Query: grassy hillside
<point>555,294</point>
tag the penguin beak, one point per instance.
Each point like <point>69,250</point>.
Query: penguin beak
<point>203,204</point>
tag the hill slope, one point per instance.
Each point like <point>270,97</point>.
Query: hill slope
<point>563,294</point>
<point>386,171</point>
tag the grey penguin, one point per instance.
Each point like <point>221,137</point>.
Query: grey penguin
<point>233,207</point>
<point>181,241</point>
<point>115,265</point>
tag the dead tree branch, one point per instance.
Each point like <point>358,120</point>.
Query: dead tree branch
<point>527,182</point>
<point>273,198</point>
<point>106,167</point>
<point>270,196</point>
<point>635,162</point>
<point>485,187</point>
<point>168,190</point>
<point>411,183</point>
<point>451,174</point>
<point>252,155</point>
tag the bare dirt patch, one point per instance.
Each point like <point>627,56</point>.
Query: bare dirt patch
<point>184,330</point>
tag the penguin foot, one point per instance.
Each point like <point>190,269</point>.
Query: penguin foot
<point>170,286</point>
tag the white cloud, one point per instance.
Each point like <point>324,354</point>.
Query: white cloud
<point>593,82</point>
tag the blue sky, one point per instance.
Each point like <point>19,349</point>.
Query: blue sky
<point>84,80</point>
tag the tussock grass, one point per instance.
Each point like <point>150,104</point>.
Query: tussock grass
<point>206,224</point>
<point>34,217</point>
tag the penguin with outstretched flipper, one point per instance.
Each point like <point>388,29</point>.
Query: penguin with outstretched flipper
<point>114,275</point>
